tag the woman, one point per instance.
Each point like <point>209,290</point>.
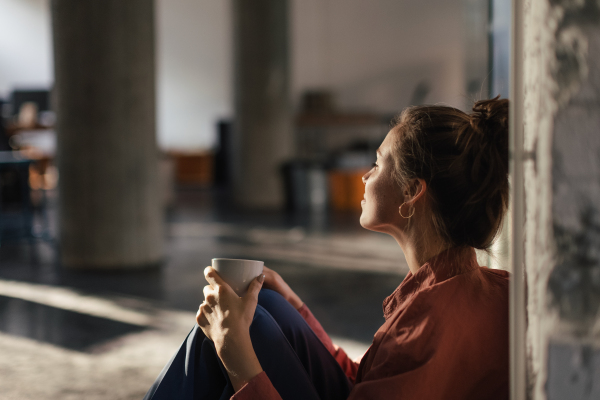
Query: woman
<point>440,188</point>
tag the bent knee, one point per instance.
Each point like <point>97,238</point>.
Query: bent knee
<point>267,296</point>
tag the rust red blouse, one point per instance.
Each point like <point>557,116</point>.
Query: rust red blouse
<point>445,336</point>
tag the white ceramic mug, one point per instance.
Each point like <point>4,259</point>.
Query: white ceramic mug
<point>238,273</point>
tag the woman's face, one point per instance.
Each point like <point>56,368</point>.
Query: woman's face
<point>383,196</point>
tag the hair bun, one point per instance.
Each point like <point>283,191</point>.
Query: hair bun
<point>490,118</point>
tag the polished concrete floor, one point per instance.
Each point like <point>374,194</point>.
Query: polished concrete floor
<point>74,334</point>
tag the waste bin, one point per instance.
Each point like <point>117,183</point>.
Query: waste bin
<point>306,186</point>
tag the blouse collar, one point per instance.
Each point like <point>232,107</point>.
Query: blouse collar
<point>436,270</point>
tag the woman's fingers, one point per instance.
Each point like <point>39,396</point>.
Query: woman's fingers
<point>212,277</point>
<point>209,295</point>
<point>266,270</point>
<point>217,283</point>
<point>272,279</point>
<point>254,289</point>
<point>203,310</point>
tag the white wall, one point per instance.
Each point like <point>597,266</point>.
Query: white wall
<point>194,71</point>
<point>25,45</point>
<point>372,53</point>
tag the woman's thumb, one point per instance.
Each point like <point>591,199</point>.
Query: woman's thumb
<point>255,287</point>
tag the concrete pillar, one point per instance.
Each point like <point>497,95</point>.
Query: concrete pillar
<point>110,212</point>
<point>263,119</point>
<point>562,197</point>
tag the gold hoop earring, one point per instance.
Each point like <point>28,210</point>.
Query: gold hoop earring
<point>413,212</point>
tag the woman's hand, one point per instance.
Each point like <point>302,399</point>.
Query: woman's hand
<point>225,318</point>
<point>275,282</point>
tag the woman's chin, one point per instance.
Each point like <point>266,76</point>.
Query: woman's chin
<point>370,220</point>
<point>370,223</point>
<point>364,221</point>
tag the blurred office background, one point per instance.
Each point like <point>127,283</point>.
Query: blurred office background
<point>140,139</point>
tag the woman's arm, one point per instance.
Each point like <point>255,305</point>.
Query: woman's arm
<point>225,318</point>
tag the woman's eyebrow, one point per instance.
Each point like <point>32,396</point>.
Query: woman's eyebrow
<point>378,153</point>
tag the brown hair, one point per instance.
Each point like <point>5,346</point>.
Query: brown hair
<point>463,158</point>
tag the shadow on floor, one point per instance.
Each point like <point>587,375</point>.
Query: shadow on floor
<point>67,329</point>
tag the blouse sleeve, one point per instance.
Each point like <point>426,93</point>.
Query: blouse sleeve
<point>349,367</point>
<point>259,387</point>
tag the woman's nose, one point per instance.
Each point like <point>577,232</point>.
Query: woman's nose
<point>364,178</point>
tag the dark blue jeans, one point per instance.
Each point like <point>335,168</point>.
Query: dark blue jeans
<point>295,360</point>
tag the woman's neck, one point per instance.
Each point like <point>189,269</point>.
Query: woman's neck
<point>420,248</point>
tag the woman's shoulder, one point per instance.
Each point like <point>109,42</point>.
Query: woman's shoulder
<point>498,279</point>
<point>476,295</point>
<point>479,281</point>
<point>499,273</point>
<point>486,299</point>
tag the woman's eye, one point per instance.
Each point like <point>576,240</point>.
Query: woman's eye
<point>375,165</point>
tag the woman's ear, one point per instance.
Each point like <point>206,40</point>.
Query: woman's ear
<point>415,190</point>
